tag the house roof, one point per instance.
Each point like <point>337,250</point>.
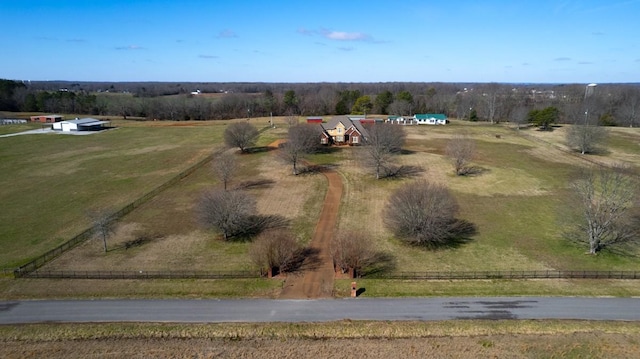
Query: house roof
<point>346,122</point>
<point>425,116</point>
<point>87,122</point>
<point>356,117</point>
<point>47,116</point>
<point>333,123</point>
<point>358,125</point>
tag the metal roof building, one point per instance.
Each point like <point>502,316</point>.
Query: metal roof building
<point>82,124</point>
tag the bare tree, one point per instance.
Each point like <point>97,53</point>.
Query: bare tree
<point>400,108</point>
<point>103,224</point>
<point>291,118</point>
<point>301,140</point>
<point>278,251</point>
<point>240,134</point>
<point>422,213</point>
<point>606,197</point>
<point>585,138</point>
<point>464,103</point>
<point>630,107</point>
<point>519,116</point>
<point>224,166</point>
<point>461,149</point>
<point>491,98</point>
<point>351,251</point>
<point>383,141</point>
<point>231,212</point>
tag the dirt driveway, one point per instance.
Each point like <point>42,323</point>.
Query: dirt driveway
<point>315,279</point>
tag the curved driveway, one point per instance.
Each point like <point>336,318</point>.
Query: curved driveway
<point>265,310</point>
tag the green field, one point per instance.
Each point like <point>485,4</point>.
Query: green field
<point>520,203</point>
<point>50,181</point>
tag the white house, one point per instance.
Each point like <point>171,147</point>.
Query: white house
<point>430,118</point>
<point>82,124</point>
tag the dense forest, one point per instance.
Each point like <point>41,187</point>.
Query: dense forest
<point>608,104</point>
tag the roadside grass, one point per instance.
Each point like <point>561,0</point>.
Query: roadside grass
<point>490,288</point>
<point>316,339</point>
<point>347,329</point>
<point>24,289</point>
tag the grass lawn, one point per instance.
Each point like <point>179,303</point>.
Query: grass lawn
<point>519,201</point>
<point>8,129</point>
<point>50,181</point>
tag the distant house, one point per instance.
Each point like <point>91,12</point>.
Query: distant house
<point>430,119</point>
<point>400,120</point>
<point>314,119</point>
<point>342,130</point>
<point>82,124</point>
<point>46,118</point>
<point>12,121</point>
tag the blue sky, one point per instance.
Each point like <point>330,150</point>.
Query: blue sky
<point>321,41</point>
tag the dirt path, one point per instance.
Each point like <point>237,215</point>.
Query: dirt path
<point>315,279</point>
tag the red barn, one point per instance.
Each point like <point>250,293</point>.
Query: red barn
<point>46,118</point>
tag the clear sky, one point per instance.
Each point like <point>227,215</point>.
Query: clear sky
<point>544,41</point>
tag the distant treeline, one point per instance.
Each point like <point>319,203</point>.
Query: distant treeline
<point>610,104</point>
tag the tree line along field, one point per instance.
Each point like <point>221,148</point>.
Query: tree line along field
<point>520,200</point>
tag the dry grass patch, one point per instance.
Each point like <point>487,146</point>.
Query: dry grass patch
<point>288,193</point>
<point>345,339</point>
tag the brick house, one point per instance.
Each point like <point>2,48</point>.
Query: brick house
<point>342,130</point>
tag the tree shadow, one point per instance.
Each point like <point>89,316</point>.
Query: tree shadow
<point>327,150</point>
<point>407,152</point>
<point>399,172</point>
<point>259,183</point>
<point>460,232</point>
<point>473,171</point>
<point>307,259</point>
<point>379,263</point>
<point>138,241</point>
<point>251,226</point>
<point>259,149</point>
<point>598,151</point>
<point>313,169</point>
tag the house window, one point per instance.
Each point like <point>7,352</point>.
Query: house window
<point>339,129</point>
<point>354,139</point>
<point>339,138</point>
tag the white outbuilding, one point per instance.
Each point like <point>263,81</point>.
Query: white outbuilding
<point>82,124</point>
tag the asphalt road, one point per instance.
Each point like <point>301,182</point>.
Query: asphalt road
<point>264,310</point>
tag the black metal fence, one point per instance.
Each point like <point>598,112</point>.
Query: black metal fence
<point>7,271</point>
<point>141,274</point>
<point>465,275</point>
<point>543,274</point>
